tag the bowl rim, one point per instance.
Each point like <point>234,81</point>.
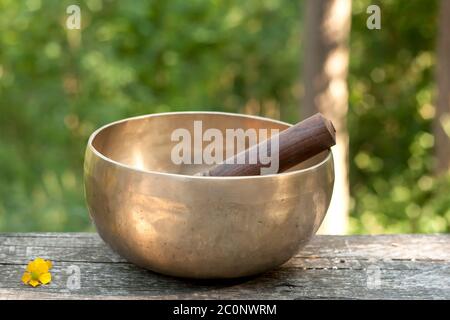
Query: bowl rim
<point>184,176</point>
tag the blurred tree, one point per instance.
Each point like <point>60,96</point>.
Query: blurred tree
<point>391,110</point>
<point>137,57</point>
<point>441,123</point>
<point>129,58</point>
<point>325,81</point>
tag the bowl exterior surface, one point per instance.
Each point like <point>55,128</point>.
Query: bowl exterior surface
<point>200,227</point>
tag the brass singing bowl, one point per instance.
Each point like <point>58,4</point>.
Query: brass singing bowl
<point>157,215</point>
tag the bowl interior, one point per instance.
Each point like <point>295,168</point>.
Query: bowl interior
<point>145,143</point>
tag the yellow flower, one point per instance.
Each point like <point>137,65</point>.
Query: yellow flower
<point>37,272</point>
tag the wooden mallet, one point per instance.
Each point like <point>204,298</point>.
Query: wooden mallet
<point>296,144</point>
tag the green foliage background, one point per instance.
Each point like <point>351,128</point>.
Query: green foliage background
<point>138,57</point>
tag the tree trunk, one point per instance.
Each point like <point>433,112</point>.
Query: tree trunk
<point>441,124</point>
<point>325,80</point>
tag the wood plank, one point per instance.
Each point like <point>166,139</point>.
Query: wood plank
<point>338,267</point>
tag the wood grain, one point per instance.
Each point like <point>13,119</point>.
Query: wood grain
<point>336,267</point>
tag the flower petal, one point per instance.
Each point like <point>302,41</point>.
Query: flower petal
<point>31,266</point>
<point>26,277</point>
<point>39,260</point>
<point>41,266</point>
<point>34,283</point>
<point>45,278</point>
<point>49,264</point>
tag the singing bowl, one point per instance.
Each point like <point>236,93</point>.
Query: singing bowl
<point>159,216</point>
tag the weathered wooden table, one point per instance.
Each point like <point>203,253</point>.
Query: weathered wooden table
<point>336,267</point>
